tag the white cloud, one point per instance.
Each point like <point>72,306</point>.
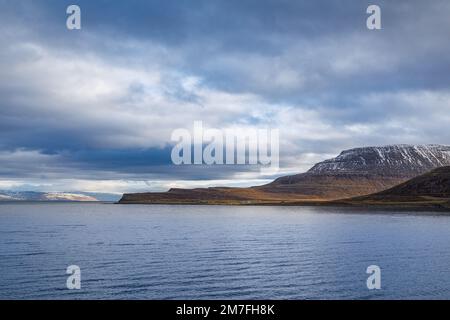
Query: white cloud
<point>57,99</point>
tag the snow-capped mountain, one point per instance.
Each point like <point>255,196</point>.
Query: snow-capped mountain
<point>362,171</point>
<point>43,196</point>
<point>392,160</point>
<point>354,172</point>
<point>6,198</point>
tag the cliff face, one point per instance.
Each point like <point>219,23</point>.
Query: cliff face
<point>354,172</point>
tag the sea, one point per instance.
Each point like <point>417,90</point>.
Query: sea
<point>220,252</point>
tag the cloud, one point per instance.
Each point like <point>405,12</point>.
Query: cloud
<point>95,108</point>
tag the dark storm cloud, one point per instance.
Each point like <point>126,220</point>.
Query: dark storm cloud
<point>103,101</point>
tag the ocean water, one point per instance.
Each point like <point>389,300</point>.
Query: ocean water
<point>220,252</point>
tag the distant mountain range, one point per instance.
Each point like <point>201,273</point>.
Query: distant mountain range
<point>43,196</point>
<point>353,173</point>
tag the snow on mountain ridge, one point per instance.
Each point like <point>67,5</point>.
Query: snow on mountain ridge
<point>397,160</point>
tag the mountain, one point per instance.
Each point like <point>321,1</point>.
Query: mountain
<point>6,198</point>
<point>393,160</point>
<point>43,196</point>
<point>354,172</point>
<point>362,171</point>
<point>429,189</point>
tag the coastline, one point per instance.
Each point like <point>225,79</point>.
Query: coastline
<point>398,207</point>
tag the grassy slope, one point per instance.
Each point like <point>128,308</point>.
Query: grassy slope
<point>430,190</point>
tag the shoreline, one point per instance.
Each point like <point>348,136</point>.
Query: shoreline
<point>424,207</point>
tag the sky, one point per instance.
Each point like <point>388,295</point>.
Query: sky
<point>93,109</point>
